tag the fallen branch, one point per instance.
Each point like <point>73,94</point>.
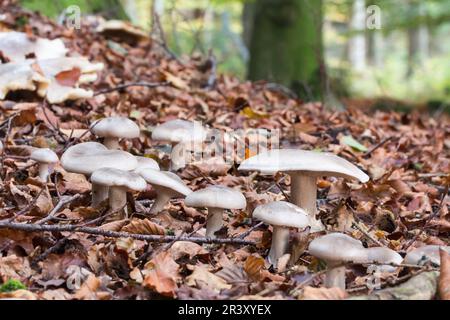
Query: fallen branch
<point>420,287</point>
<point>115,234</point>
<point>134,84</point>
<point>62,202</point>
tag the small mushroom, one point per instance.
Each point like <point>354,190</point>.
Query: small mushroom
<point>422,255</point>
<point>85,158</point>
<point>216,199</point>
<point>112,129</point>
<point>304,167</point>
<point>45,157</point>
<point>179,133</point>
<point>119,182</point>
<point>166,184</point>
<point>336,249</point>
<point>282,216</point>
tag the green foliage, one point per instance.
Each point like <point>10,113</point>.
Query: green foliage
<point>12,285</point>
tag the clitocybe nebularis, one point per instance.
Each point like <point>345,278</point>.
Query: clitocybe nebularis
<point>422,255</point>
<point>45,157</point>
<point>112,129</point>
<point>86,157</point>
<point>216,199</point>
<point>304,167</point>
<point>282,216</point>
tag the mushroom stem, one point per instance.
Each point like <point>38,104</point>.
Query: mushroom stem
<point>161,200</point>
<point>280,241</point>
<point>43,171</point>
<point>213,221</point>
<point>304,195</point>
<point>335,276</point>
<point>99,194</point>
<point>111,143</point>
<point>118,201</point>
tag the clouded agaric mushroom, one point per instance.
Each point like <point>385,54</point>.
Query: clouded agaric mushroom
<point>146,163</point>
<point>216,199</point>
<point>304,167</point>
<point>87,157</point>
<point>336,249</point>
<point>282,216</point>
<point>422,255</point>
<point>381,255</point>
<point>45,157</point>
<point>113,129</point>
<point>119,182</point>
<point>178,132</point>
<point>167,185</point>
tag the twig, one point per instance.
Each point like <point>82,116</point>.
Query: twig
<point>367,235</point>
<point>246,233</point>
<point>134,84</point>
<point>27,208</point>
<point>62,202</point>
<point>114,234</point>
<point>378,145</point>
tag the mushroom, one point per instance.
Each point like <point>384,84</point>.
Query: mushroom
<point>282,216</point>
<point>422,255</point>
<point>179,132</point>
<point>114,128</point>
<point>216,199</point>
<point>304,167</point>
<point>383,257</point>
<point>336,249</point>
<point>85,158</point>
<point>146,163</point>
<point>119,182</point>
<point>44,157</point>
<point>166,184</point>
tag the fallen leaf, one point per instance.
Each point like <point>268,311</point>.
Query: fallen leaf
<point>310,293</point>
<point>201,274</point>
<point>161,274</point>
<point>144,226</point>
<point>253,266</point>
<point>444,278</point>
<point>68,78</point>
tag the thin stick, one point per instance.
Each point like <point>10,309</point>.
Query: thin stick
<point>246,233</point>
<point>378,145</point>
<point>62,202</point>
<point>134,84</point>
<point>114,234</point>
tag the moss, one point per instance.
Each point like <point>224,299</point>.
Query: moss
<point>12,285</point>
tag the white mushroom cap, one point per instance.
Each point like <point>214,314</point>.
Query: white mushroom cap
<point>281,213</point>
<point>318,163</point>
<point>423,254</point>
<point>17,45</point>
<point>122,26</point>
<point>44,155</point>
<point>382,255</point>
<point>116,127</point>
<point>111,177</point>
<point>146,163</point>
<point>1,147</point>
<point>337,247</point>
<point>179,130</point>
<point>216,197</point>
<point>87,157</point>
<point>165,179</point>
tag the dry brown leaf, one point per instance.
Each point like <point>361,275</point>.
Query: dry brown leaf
<point>68,78</point>
<point>18,295</point>
<point>253,266</point>
<point>161,274</point>
<point>201,274</point>
<point>310,293</point>
<point>88,289</point>
<point>144,226</point>
<point>186,248</point>
<point>444,278</point>
<point>114,225</point>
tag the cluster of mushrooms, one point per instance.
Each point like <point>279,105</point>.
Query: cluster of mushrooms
<point>114,172</point>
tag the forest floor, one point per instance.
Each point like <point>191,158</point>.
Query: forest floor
<point>404,205</point>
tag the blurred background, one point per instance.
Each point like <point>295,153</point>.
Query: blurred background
<point>382,53</point>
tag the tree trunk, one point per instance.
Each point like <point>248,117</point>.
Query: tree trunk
<point>418,41</point>
<point>357,43</point>
<point>285,42</point>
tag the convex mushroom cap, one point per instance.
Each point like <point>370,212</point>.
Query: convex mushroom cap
<point>282,216</point>
<point>112,177</point>
<point>146,163</point>
<point>87,157</point>
<point>115,128</point>
<point>179,131</point>
<point>337,247</point>
<point>422,255</point>
<point>216,199</point>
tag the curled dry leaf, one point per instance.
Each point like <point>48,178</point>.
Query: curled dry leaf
<point>186,248</point>
<point>161,274</point>
<point>253,266</point>
<point>68,78</point>
<point>144,226</point>
<point>444,278</point>
<point>201,274</point>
